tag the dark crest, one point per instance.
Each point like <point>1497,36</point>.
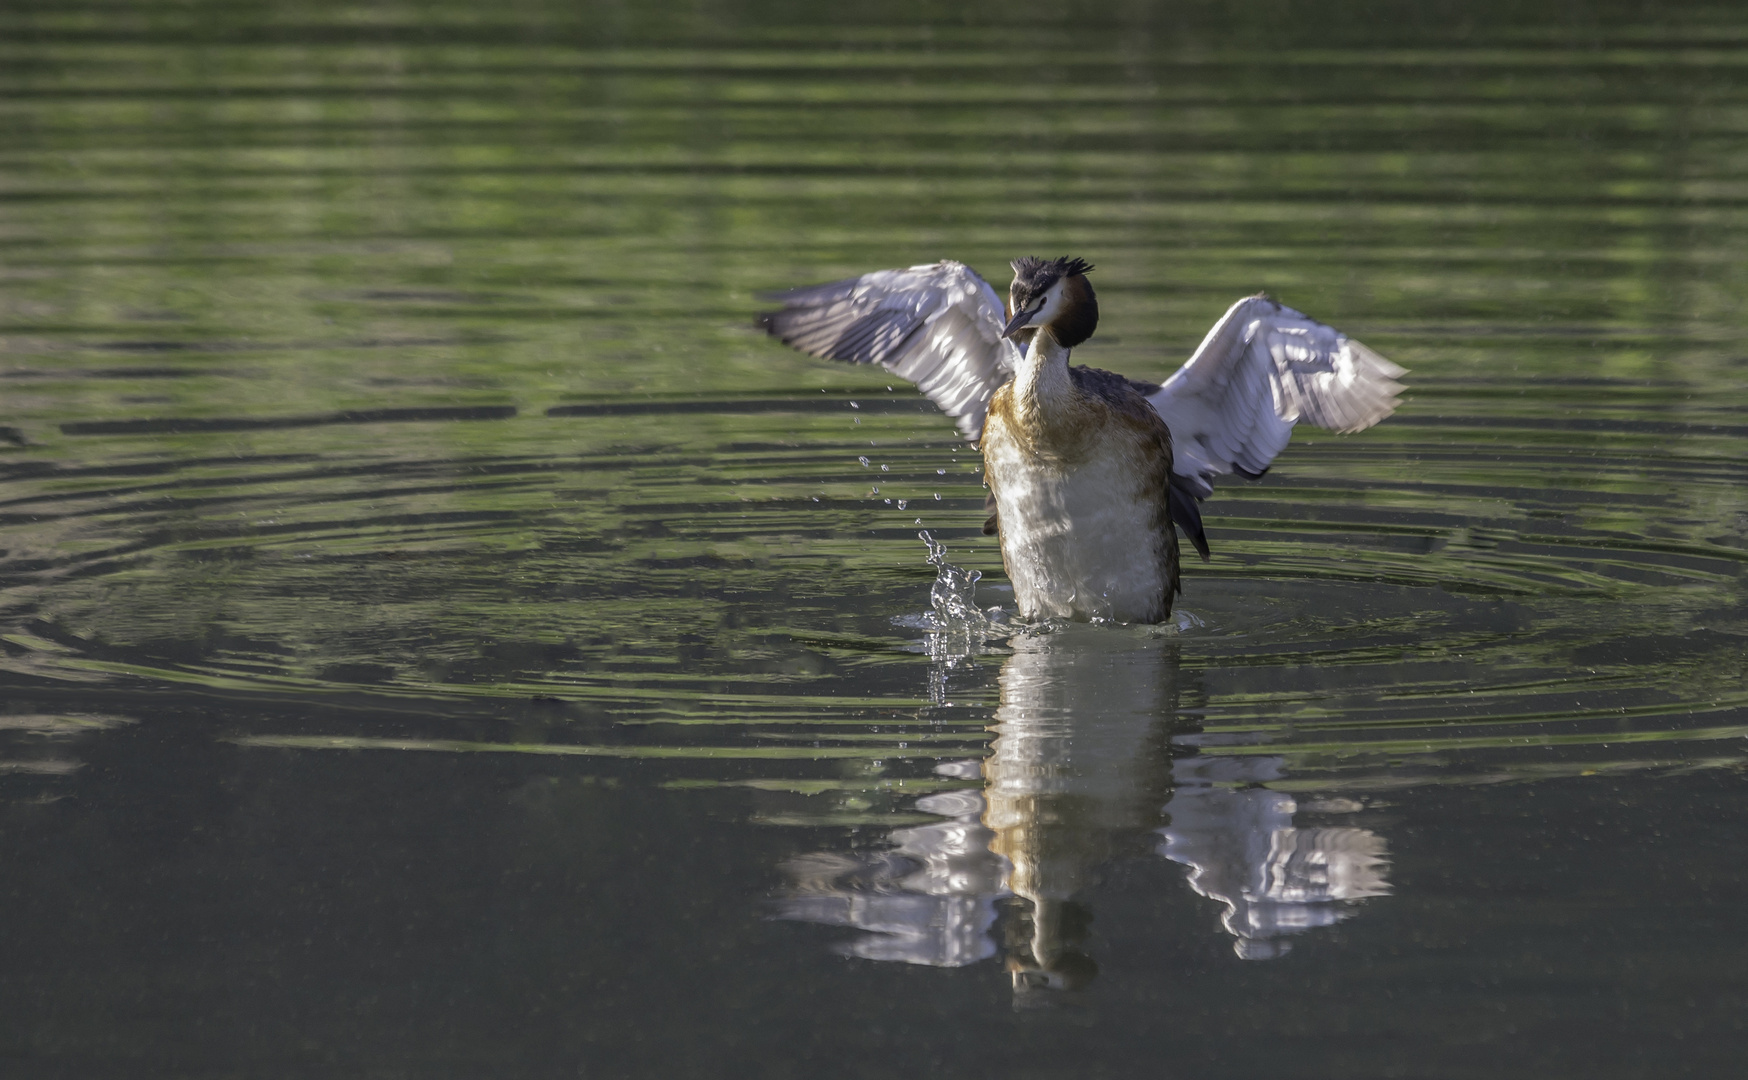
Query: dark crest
<point>1033,275</point>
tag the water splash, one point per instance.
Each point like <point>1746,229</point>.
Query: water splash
<point>957,630</point>
<point>954,594</point>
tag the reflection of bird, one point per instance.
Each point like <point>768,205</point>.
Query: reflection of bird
<point>1088,471</point>
<point>1089,759</point>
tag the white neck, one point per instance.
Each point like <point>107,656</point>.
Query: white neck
<point>1041,385</point>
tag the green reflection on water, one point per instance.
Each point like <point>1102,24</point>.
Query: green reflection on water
<point>236,236</point>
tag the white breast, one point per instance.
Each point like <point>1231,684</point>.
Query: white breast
<point>1080,542</point>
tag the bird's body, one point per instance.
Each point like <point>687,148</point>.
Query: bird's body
<point>1078,465</point>
<point>1088,471</point>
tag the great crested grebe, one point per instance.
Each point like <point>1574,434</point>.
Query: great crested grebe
<point>1088,471</point>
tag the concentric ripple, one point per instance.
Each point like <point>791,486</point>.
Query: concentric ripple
<point>1436,599</point>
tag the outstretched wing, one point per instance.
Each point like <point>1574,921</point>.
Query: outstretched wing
<point>1263,368</point>
<point>938,326</point>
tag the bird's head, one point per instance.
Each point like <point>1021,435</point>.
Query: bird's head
<point>1053,295</point>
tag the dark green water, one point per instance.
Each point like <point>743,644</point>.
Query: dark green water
<point>442,637</point>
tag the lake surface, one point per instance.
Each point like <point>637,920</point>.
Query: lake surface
<point>443,637</point>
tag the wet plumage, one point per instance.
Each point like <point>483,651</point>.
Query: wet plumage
<point>1089,471</point>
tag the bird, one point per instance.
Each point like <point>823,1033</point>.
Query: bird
<point>1090,474</point>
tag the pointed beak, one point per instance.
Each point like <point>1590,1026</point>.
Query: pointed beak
<point>1017,323</point>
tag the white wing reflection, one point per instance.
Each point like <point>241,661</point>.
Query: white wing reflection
<point>1090,759</point>
<point>1239,842</point>
<point>928,900</point>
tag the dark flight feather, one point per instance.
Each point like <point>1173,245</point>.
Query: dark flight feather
<point>1187,515</point>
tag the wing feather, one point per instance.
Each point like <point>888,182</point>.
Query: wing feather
<point>937,325</point>
<point>1263,368</point>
